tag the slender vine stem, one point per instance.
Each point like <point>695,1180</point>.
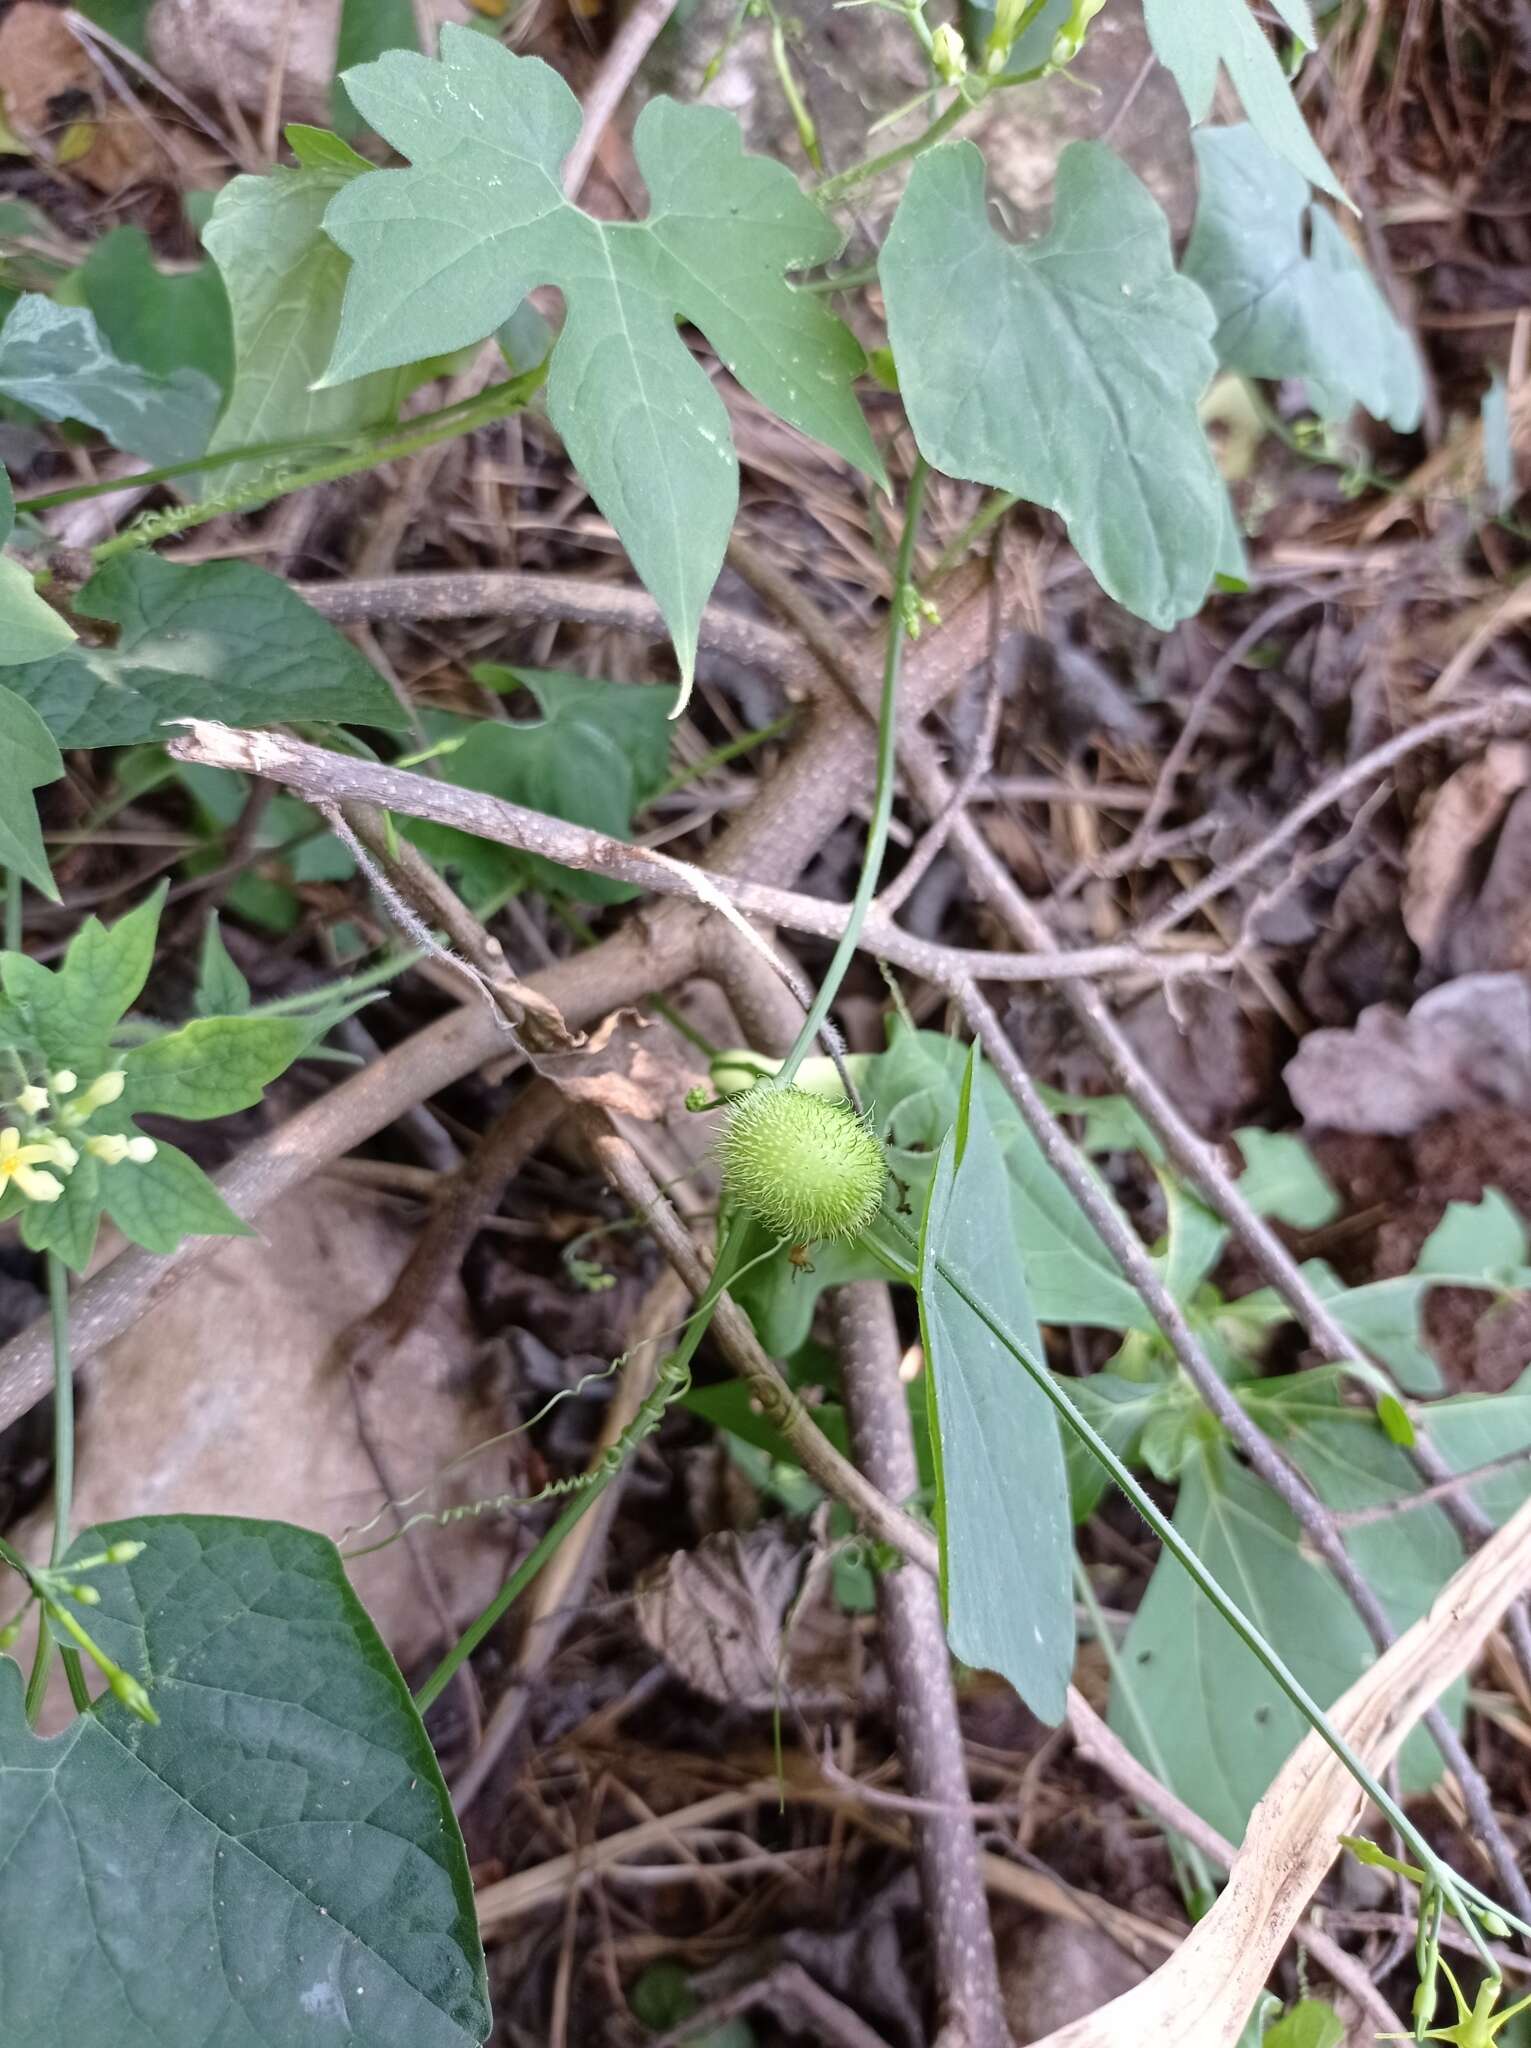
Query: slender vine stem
<point>498,402</point>
<point>729,1252</point>
<point>63,1491</point>
<point>887,771</point>
<point>471,410</point>
<point>835,188</point>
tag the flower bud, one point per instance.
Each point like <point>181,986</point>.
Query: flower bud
<point>32,1101</point>
<point>111,1150</point>
<point>125,1551</point>
<point>126,1688</point>
<point>948,54</point>
<point>141,1150</point>
<point>88,1596</point>
<point>64,1082</point>
<point>103,1090</point>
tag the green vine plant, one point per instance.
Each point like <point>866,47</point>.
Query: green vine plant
<point>339,1898</point>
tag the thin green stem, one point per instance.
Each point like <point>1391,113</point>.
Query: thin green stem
<point>1193,1872</point>
<point>261,451</point>
<point>988,514</point>
<point>835,188</point>
<point>723,1271</point>
<point>63,1487</point>
<point>743,743</point>
<point>496,403</point>
<point>882,803</point>
<point>511,1591</point>
<point>63,1406</point>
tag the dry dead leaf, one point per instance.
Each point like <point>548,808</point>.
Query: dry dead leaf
<point>745,1620</point>
<point>628,1067</point>
<point>1465,1045</point>
<point>1468,886</point>
<point>58,104</point>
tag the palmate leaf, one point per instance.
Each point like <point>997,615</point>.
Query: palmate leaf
<point>1191,38</point>
<point>1002,1496</point>
<point>1292,297</point>
<point>276,1862</point>
<point>1068,371</point>
<point>444,252</point>
<point>218,640</point>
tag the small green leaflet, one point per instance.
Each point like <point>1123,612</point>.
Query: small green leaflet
<point>222,990</point>
<point>284,1829</point>
<point>599,751</point>
<point>218,640</point>
<point>285,279</point>
<point>445,252</point>
<point>1310,2024</point>
<point>1281,1178</point>
<point>1192,37</point>
<point>56,360</point>
<point>1068,371</point>
<point>29,758</point>
<point>1002,1504</point>
<point>162,321</point>
<point>29,628</point>
<point>1292,297</point>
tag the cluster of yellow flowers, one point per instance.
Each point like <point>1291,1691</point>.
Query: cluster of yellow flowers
<point>29,1150</point>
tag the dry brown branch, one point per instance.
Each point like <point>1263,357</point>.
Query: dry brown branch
<point>1203,1995</point>
<point>327,777</point>
<point>965,1966</point>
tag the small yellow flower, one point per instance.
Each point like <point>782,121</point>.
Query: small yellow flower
<point>32,1101</point>
<point>64,1082</point>
<point>19,1163</point>
<point>63,1153</point>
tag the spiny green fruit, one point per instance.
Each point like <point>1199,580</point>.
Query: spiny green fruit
<point>807,1168</point>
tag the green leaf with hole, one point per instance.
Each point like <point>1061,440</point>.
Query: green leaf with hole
<point>443,253</point>
<point>210,1067</point>
<point>29,759</point>
<point>56,360</point>
<point>1192,38</point>
<point>1068,371</point>
<point>1002,1497</point>
<point>30,629</point>
<point>220,640</point>
<point>276,1861</point>
<point>1292,297</point>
